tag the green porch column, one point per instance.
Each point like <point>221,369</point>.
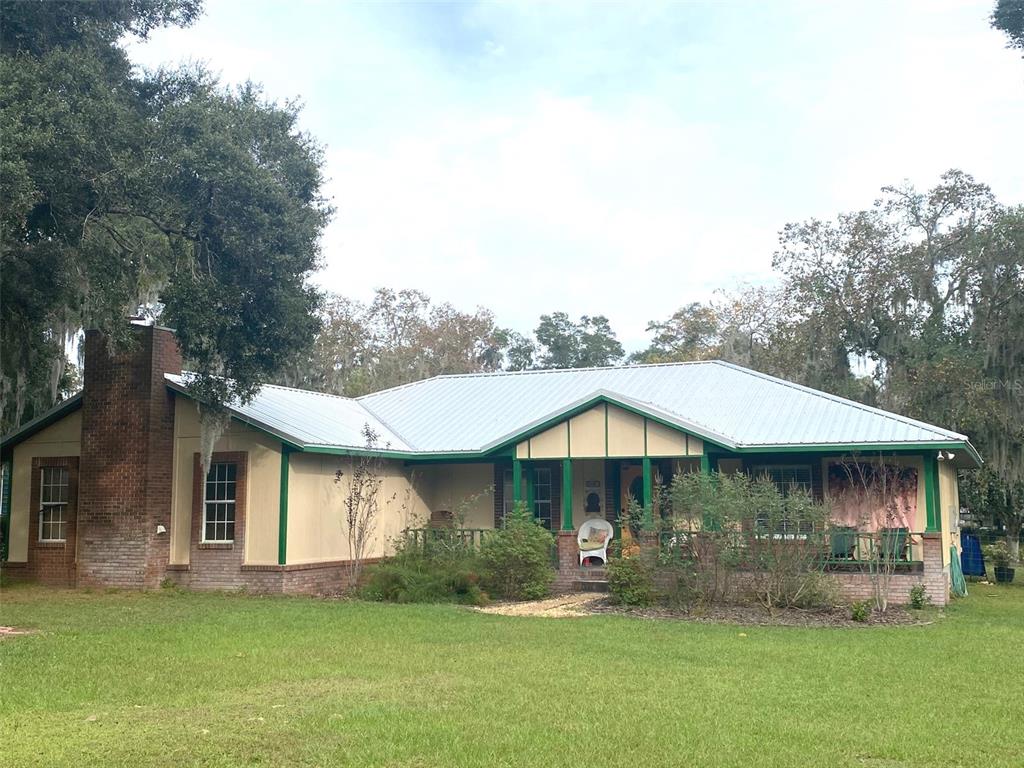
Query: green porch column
<point>648,492</point>
<point>705,464</point>
<point>282,511</point>
<point>567,522</point>
<point>517,481</point>
<point>931,492</point>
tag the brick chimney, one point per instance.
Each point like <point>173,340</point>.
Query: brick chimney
<point>124,489</point>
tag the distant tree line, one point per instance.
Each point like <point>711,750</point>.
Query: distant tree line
<point>914,304</point>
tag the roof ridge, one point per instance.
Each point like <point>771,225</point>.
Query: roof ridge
<point>535,371</point>
<point>843,400</point>
<point>183,374</point>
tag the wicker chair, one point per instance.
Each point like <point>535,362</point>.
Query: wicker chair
<point>593,539</point>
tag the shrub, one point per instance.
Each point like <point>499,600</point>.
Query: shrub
<point>516,559</point>
<point>861,610</point>
<point>419,577</point>
<point>918,597</point>
<point>631,581</point>
<point>998,554</point>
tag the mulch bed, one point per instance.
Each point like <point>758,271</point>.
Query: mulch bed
<point>752,615</point>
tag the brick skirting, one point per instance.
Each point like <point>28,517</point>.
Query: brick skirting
<point>853,586</point>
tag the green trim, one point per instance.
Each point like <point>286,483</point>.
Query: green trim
<point>705,464</point>
<point>848,448</point>
<point>517,481</point>
<point>648,491</point>
<point>567,522</point>
<point>931,493</point>
<point>282,514</point>
<point>586,406</point>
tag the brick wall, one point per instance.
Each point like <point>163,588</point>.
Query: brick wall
<point>933,575</point>
<point>218,565</point>
<point>52,562</point>
<point>125,471</point>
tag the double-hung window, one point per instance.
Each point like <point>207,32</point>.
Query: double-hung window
<point>542,496</point>
<point>53,503</point>
<point>219,503</point>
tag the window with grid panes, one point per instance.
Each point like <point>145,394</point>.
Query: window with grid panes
<point>542,496</point>
<point>788,478</point>
<point>219,503</point>
<point>53,503</point>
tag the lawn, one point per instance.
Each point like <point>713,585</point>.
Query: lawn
<point>169,678</point>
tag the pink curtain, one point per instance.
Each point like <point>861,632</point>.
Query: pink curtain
<point>870,497</point>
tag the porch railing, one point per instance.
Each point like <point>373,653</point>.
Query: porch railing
<point>837,548</point>
<point>424,538</point>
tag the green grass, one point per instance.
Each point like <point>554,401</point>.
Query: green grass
<point>176,679</point>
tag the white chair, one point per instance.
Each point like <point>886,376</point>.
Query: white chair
<point>593,538</point>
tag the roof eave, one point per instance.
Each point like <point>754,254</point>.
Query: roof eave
<point>25,431</point>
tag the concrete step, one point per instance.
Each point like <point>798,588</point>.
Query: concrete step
<point>592,572</point>
<point>590,585</point>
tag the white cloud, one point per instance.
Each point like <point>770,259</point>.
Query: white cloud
<point>609,158</point>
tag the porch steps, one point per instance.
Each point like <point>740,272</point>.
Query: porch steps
<point>591,579</point>
<point>590,585</point>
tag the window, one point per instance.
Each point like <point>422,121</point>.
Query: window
<point>53,503</point>
<point>506,494</point>
<point>219,503</point>
<point>788,478</point>
<point>542,496</point>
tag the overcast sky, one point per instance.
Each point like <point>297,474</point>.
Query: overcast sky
<point>621,159</point>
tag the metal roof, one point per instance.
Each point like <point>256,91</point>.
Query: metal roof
<point>728,405</point>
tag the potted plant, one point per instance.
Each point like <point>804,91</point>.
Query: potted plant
<point>998,555</point>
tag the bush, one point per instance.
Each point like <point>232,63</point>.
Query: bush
<point>427,574</point>
<point>516,559</point>
<point>861,610</point>
<point>419,578</point>
<point>631,581</point>
<point>918,597</point>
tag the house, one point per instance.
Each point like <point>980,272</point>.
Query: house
<point>107,488</point>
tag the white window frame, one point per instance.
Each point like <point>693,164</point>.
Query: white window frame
<point>47,509</point>
<point>224,501</point>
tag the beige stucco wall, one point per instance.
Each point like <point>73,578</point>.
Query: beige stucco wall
<point>316,514</point>
<point>586,431</point>
<point>625,433</point>
<point>262,489</point>
<point>465,490</point>
<point>62,438</point>
<point>606,430</point>
<point>552,443</point>
<point>664,441</point>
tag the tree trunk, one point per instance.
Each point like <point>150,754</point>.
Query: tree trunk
<point>1013,525</point>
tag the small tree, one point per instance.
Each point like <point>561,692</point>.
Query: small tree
<point>362,503</point>
<point>879,494</point>
<point>781,535</point>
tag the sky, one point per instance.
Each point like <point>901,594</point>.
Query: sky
<point>611,158</point>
